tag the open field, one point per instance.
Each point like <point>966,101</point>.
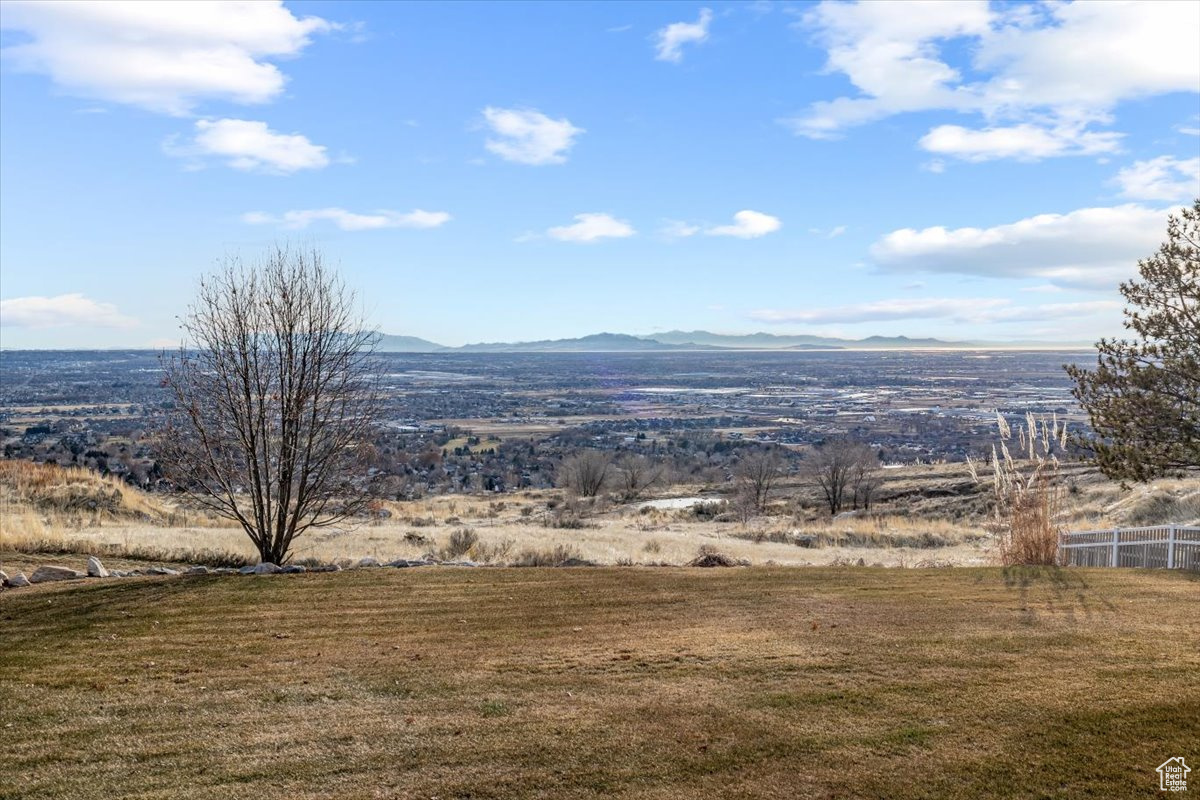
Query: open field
<point>648,683</point>
<point>926,515</point>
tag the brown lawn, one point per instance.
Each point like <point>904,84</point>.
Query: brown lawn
<point>647,683</point>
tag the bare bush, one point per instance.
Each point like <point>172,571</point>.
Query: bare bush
<point>586,473</point>
<point>636,474</point>
<point>756,474</point>
<point>460,543</point>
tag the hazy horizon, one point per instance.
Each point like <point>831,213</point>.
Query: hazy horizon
<point>515,172</point>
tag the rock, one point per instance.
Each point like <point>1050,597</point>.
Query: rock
<point>3,578</point>
<point>18,581</point>
<point>199,569</point>
<point>326,568</point>
<point>246,570</point>
<point>463,563</point>
<point>225,571</point>
<point>294,569</point>
<point>116,573</point>
<point>367,562</point>
<point>52,572</point>
<point>265,568</point>
<point>95,568</point>
<point>161,571</point>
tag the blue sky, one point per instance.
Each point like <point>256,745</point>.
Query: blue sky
<point>512,171</point>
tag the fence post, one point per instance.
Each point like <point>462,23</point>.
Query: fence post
<point>1170,547</point>
<point>1115,544</point>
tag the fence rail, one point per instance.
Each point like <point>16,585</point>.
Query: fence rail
<point>1161,547</point>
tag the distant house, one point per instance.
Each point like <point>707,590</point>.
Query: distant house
<point>1172,775</point>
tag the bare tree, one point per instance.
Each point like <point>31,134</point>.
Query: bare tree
<point>864,476</point>
<point>586,472</point>
<point>756,474</point>
<point>842,469</point>
<point>275,399</point>
<point>637,474</point>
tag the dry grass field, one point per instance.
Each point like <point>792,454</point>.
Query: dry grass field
<point>589,683</point>
<point>929,515</point>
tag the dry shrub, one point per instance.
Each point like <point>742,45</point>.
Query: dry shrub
<point>460,543</point>
<point>709,556</point>
<point>74,491</point>
<point>561,555</point>
<point>137,552</point>
<point>491,552</point>
<point>1029,531</point>
<point>1027,492</point>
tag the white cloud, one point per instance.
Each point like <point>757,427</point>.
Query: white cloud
<point>348,220</point>
<point>678,229</point>
<point>1024,142</point>
<point>165,57</point>
<point>250,146</point>
<point>747,225</point>
<point>529,136</point>
<point>1162,178</point>
<point>61,310</point>
<point>592,228</point>
<point>960,309</point>
<point>672,38</point>
<point>1053,69</point>
<point>1090,248</point>
<point>888,52</point>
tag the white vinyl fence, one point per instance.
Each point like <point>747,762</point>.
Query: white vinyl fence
<point>1161,546</point>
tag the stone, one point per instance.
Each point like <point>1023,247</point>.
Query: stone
<point>246,570</point>
<point>367,562</point>
<point>266,568</point>
<point>199,569</point>
<point>3,578</point>
<point>294,569</point>
<point>116,573</point>
<point>326,568</point>
<point>161,571</point>
<point>95,568</point>
<point>225,571</point>
<point>53,572</point>
<point>18,581</point>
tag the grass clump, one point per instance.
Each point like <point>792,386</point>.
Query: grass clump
<point>561,555</point>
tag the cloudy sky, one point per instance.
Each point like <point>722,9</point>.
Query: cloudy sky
<point>500,171</point>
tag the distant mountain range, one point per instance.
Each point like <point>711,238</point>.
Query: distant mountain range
<point>696,340</point>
